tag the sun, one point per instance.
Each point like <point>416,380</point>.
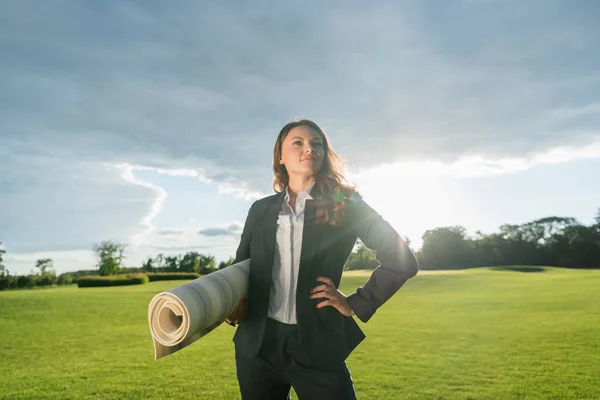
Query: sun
<point>410,196</point>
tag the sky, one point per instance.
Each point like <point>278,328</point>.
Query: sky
<point>153,123</point>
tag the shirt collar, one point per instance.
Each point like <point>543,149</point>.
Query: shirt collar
<point>304,193</point>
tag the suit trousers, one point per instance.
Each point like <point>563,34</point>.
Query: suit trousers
<point>282,364</point>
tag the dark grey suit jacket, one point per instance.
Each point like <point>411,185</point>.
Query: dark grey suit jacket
<point>328,337</point>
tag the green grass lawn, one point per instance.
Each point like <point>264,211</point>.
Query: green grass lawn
<point>480,334</point>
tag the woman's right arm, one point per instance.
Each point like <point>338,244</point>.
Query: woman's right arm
<point>242,253</point>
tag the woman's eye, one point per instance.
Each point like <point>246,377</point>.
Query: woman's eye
<point>318,144</point>
<point>297,143</point>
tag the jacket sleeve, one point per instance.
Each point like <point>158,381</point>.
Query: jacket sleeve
<point>397,261</point>
<point>243,250</point>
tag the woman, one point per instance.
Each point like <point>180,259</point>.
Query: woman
<point>295,327</point>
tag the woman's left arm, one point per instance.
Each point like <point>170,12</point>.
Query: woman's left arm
<point>397,261</point>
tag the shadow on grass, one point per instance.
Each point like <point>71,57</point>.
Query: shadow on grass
<point>517,268</point>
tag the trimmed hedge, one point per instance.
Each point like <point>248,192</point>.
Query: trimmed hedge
<point>112,280</point>
<point>172,276</point>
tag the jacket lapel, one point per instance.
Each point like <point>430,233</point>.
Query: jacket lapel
<point>270,232</point>
<point>311,234</point>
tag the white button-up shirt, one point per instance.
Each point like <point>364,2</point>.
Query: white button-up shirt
<point>286,263</point>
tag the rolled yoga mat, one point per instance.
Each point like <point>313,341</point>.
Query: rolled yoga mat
<point>180,316</point>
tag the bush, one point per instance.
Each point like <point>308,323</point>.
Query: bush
<point>65,279</point>
<point>112,280</point>
<point>172,276</point>
<point>7,282</point>
<point>46,280</point>
<point>26,281</point>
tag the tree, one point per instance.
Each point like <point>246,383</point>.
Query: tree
<point>45,265</point>
<point>596,226</point>
<point>205,264</point>
<point>189,261</point>
<point>159,262</point>
<point>361,258</point>
<point>172,263</point>
<point>3,270</point>
<point>225,264</point>
<point>540,230</point>
<point>576,247</point>
<point>110,256</point>
<point>148,266</point>
<point>446,248</point>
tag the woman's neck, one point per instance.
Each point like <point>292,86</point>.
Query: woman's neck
<point>299,183</point>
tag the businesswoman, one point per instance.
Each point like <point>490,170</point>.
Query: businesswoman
<point>296,328</point>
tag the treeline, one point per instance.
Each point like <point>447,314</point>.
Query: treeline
<point>110,256</point>
<point>42,275</point>
<point>550,241</point>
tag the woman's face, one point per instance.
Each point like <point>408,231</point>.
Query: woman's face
<point>302,151</point>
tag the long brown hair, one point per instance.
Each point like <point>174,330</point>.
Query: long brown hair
<point>331,190</point>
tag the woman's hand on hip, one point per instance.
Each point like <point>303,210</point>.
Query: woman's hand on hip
<point>333,297</point>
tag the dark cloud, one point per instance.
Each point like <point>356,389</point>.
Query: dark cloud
<point>123,84</point>
<point>208,86</point>
<point>233,229</point>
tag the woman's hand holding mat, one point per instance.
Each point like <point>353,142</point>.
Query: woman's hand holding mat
<point>238,313</point>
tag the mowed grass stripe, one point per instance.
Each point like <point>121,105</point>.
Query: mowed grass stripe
<point>479,334</point>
